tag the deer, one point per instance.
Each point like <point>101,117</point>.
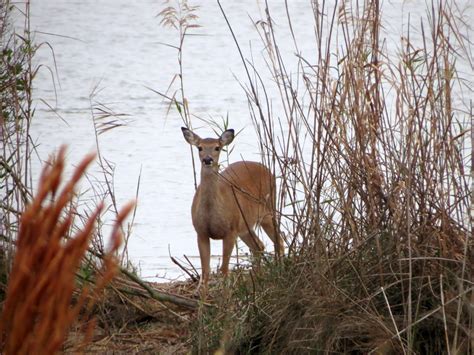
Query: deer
<point>230,204</point>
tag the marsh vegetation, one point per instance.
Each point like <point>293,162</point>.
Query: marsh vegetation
<point>371,144</point>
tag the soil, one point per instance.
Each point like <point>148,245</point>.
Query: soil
<point>128,321</point>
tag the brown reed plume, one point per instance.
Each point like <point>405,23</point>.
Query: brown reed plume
<point>40,305</point>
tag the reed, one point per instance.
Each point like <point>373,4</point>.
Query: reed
<point>41,304</point>
<point>373,153</point>
<point>16,112</point>
<point>54,262</point>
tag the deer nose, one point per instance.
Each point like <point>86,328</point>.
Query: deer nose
<point>207,160</point>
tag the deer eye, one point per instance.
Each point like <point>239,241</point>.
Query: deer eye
<point>200,149</point>
<point>217,149</point>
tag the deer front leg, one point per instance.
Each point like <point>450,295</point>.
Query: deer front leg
<point>205,255</point>
<point>227,247</point>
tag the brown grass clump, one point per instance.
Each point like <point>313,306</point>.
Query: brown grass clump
<point>41,301</point>
<point>130,321</point>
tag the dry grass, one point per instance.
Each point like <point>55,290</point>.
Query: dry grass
<point>374,159</point>
<point>41,302</point>
<point>129,321</point>
<point>373,153</point>
<point>54,270</point>
<point>16,75</point>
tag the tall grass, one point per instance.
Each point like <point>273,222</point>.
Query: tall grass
<point>53,258</point>
<point>16,112</point>
<point>373,152</point>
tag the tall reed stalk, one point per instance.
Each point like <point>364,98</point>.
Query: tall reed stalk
<point>373,152</point>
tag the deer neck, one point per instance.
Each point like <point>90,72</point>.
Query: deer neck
<point>210,188</point>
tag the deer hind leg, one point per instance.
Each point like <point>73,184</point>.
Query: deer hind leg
<point>205,255</point>
<point>269,226</point>
<point>253,242</point>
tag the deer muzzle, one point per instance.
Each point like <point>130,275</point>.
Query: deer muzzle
<point>208,161</point>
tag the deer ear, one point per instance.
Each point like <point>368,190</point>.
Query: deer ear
<point>226,137</point>
<point>191,137</point>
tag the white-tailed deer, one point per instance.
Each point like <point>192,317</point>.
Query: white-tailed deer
<point>231,203</point>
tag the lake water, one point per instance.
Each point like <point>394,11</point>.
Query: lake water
<point>115,49</point>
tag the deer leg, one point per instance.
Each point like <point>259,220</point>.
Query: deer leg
<point>268,226</point>
<point>253,242</point>
<point>227,247</point>
<point>255,245</point>
<point>204,246</point>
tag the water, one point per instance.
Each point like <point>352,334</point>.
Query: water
<point>115,49</point>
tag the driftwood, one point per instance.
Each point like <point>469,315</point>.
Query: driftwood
<point>155,294</point>
<point>161,296</point>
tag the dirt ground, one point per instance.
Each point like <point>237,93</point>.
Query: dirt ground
<point>129,321</point>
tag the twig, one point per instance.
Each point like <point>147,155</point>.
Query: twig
<point>191,264</point>
<point>173,259</point>
<point>160,296</point>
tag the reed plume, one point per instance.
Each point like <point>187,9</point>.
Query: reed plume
<point>41,302</point>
